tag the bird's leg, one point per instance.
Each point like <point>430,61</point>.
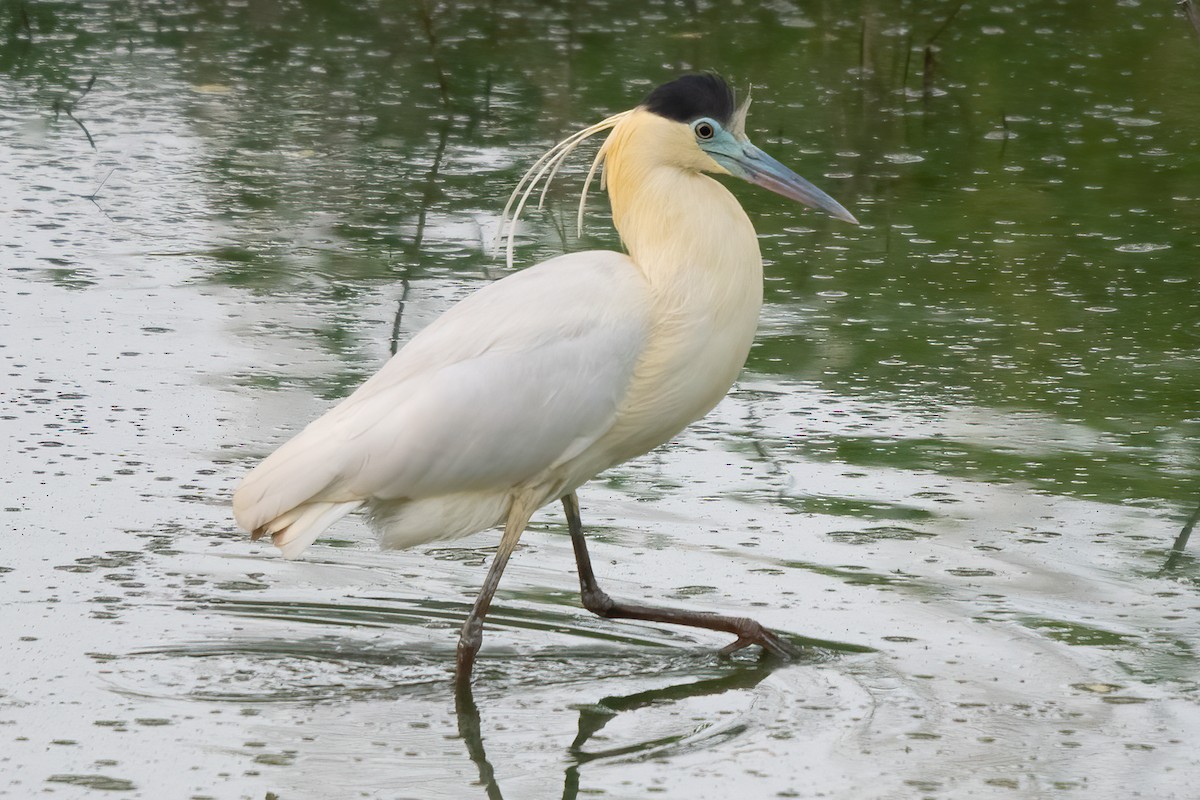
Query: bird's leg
<point>597,601</point>
<point>472,630</point>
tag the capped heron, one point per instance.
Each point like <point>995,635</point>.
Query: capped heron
<point>534,384</point>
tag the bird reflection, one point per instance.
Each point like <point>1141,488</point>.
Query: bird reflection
<point>1179,548</point>
<point>469,731</point>
<point>594,717</point>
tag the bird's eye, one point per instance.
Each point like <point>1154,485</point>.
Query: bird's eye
<point>704,130</point>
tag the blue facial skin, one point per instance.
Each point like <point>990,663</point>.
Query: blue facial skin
<point>743,160</point>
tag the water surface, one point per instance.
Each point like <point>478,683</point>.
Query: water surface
<point>953,469</point>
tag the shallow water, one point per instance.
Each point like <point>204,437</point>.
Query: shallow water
<point>953,469</point>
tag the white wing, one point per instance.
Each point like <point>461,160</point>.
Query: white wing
<point>518,377</point>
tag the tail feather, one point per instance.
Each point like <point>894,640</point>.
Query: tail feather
<point>295,493</point>
<point>295,530</point>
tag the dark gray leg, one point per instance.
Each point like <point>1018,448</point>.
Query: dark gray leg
<point>747,631</point>
<point>472,630</point>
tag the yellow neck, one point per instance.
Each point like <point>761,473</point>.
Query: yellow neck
<point>683,229</point>
<point>699,255</point>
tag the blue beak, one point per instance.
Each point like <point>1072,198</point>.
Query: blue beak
<point>744,160</point>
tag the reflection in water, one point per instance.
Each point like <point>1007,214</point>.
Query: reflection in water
<point>1182,539</point>
<point>470,730</point>
<point>1179,548</point>
<point>413,254</point>
<point>594,717</point>
<point>68,107</point>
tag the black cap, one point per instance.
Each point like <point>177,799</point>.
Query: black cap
<point>691,96</point>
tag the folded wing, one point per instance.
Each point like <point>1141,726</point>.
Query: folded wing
<point>514,380</point>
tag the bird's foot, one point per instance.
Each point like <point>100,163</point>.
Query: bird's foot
<point>771,643</point>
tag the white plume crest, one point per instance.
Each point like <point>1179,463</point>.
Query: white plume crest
<point>544,170</point>
<point>739,117</point>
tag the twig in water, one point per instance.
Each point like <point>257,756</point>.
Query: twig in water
<point>431,179</point>
<point>91,82</point>
<point>69,108</point>
<point>1182,539</point>
<point>927,73</point>
<point>24,22</point>
<point>92,196</point>
<point>434,48</point>
<point>395,344</point>
<point>945,23</point>
<point>1177,549</point>
<point>83,128</point>
<point>930,58</point>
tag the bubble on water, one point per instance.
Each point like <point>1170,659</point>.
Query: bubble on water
<point>1134,122</point>
<point>903,158</point>
<point>1142,247</point>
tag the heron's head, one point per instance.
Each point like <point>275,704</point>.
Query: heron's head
<point>692,123</point>
<point>708,134</point>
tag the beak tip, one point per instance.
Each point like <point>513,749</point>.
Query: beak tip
<point>837,211</point>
